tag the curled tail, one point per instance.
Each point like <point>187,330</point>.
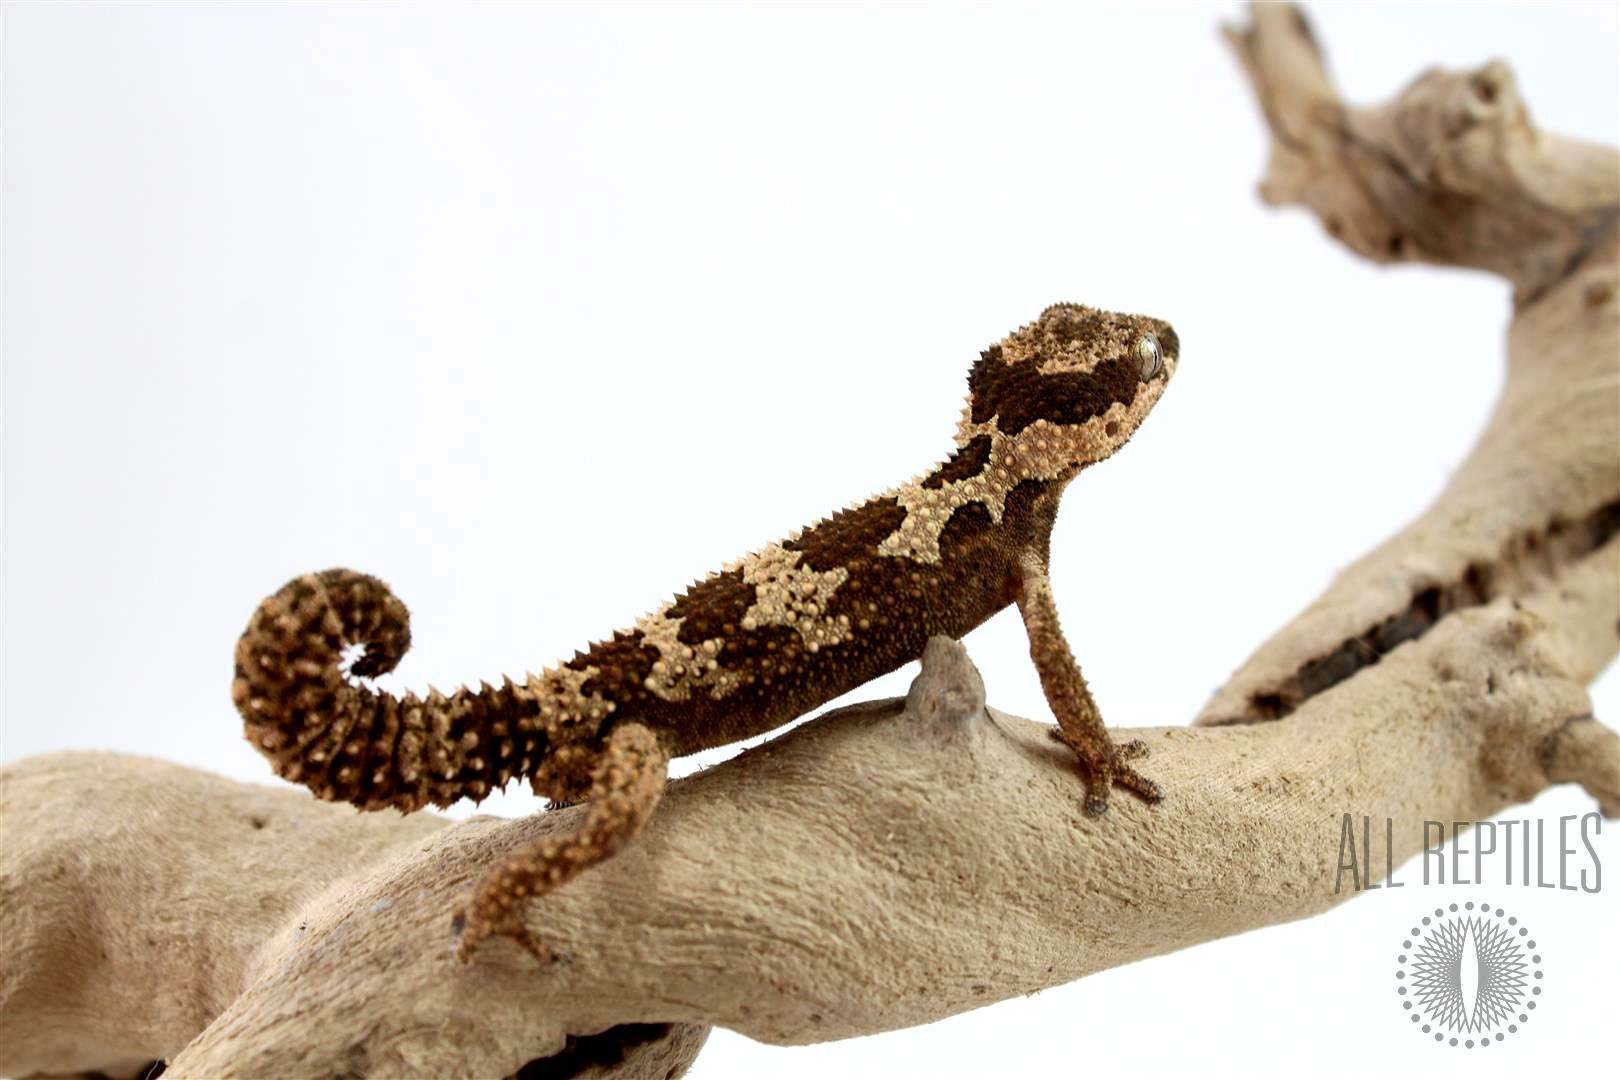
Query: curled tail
<point>349,743</point>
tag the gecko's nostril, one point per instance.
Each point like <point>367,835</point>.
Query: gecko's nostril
<point>1112,427</point>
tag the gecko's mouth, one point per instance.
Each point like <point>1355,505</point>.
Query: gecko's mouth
<point>1526,561</point>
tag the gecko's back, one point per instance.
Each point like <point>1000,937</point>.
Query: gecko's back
<point>806,620</point>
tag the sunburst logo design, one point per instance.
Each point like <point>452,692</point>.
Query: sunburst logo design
<point>1468,976</point>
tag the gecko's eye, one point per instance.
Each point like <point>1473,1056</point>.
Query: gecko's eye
<point>1151,356</point>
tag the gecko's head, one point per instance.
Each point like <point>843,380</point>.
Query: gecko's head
<point>1071,387</point>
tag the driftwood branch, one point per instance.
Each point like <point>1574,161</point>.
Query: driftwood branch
<point>1452,172</point>
<point>796,892</point>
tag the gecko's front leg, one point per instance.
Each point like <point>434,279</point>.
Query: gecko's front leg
<point>627,782</point>
<point>1080,723</point>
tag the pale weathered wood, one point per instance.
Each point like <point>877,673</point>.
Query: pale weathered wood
<point>1453,172</point>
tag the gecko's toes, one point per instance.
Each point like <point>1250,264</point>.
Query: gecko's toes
<point>1104,769</point>
<point>1146,789</point>
<point>1131,749</point>
<point>1124,777</point>
<point>1134,782</point>
<point>470,931</point>
<point>1109,772</point>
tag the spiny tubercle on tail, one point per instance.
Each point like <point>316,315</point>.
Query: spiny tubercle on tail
<point>349,743</point>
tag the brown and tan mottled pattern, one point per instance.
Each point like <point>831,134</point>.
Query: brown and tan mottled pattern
<point>793,625</point>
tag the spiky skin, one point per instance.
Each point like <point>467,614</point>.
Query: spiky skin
<point>743,651</point>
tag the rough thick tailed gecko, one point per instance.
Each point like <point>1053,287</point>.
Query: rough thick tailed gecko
<point>745,650</point>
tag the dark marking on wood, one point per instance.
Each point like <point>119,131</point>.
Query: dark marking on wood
<point>1603,524</point>
<point>1535,552</point>
<point>603,1051</point>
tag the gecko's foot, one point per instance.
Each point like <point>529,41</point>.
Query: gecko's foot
<point>1105,768</point>
<point>474,922</point>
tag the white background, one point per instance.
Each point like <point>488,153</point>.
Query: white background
<point>539,313</point>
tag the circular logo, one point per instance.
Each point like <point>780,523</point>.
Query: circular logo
<point>1468,976</point>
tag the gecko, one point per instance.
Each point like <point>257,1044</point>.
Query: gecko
<point>743,651</point>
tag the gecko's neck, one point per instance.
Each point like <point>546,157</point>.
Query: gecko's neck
<point>983,471</point>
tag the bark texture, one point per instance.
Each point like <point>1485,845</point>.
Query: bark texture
<point>796,893</point>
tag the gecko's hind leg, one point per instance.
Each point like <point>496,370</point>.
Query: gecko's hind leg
<point>1080,724</point>
<point>626,784</point>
